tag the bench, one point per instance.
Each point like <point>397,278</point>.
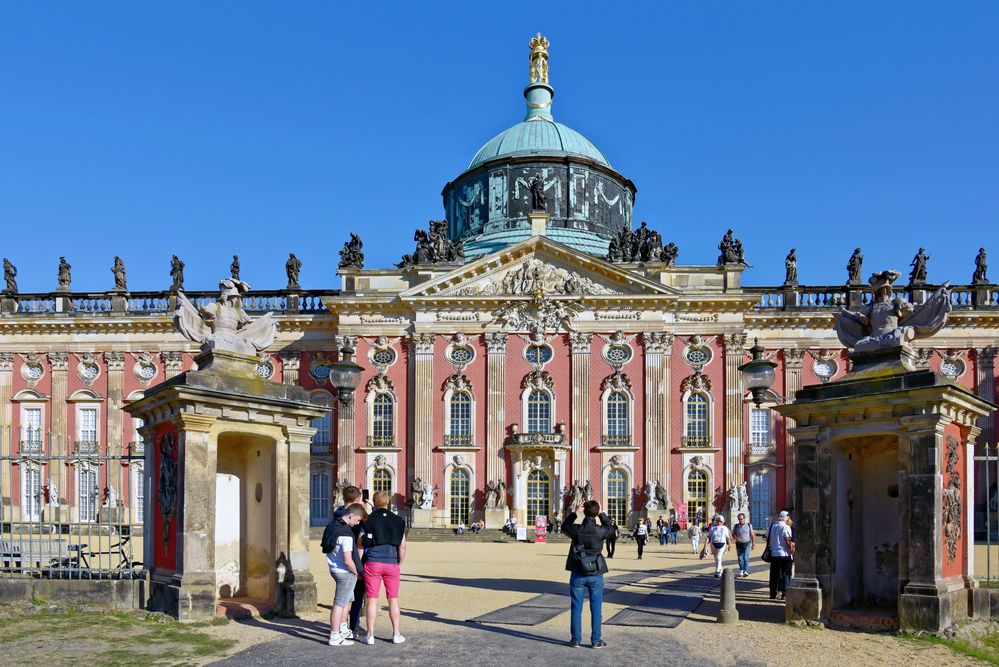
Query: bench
<point>31,553</point>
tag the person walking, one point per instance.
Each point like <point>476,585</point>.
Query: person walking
<point>694,535</point>
<point>781,553</point>
<point>674,530</point>
<point>641,536</point>
<point>612,538</point>
<point>588,528</point>
<point>663,533</point>
<point>385,550</point>
<point>745,542</point>
<point>342,558</point>
<point>718,538</point>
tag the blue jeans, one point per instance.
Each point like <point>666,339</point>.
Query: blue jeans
<point>578,586</point>
<point>672,537</point>
<point>742,548</point>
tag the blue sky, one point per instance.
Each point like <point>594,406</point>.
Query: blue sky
<point>207,129</point>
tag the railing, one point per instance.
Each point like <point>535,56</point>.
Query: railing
<point>458,440</point>
<point>818,297</point>
<point>695,441</point>
<point>986,515</point>
<point>762,448</point>
<point>381,441</point>
<point>164,302</point>
<point>63,516</point>
<point>320,446</point>
<point>86,447</point>
<point>549,439</point>
<point>615,441</point>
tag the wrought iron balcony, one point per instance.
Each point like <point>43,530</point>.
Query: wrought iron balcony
<point>87,447</point>
<point>695,441</point>
<point>615,441</point>
<point>458,440</point>
<point>31,446</point>
<point>381,441</point>
<point>544,439</point>
<point>762,448</point>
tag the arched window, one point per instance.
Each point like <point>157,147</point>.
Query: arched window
<point>761,490</point>
<point>697,495</point>
<point>320,497</point>
<point>697,422</point>
<point>538,494</point>
<point>383,421</point>
<point>539,412</point>
<point>618,426</point>
<point>381,481</point>
<point>460,489</point>
<point>461,418</point>
<point>617,496</point>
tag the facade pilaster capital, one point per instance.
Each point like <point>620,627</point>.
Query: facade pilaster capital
<point>190,421</point>
<point>734,343</point>
<point>173,360</point>
<point>291,360</point>
<point>657,342</point>
<point>422,342</point>
<point>793,358</point>
<point>59,360</point>
<point>580,342</point>
<point>987,356</point>
<point>298,434</point>
<point>344,340</point>
<point>115,361</point>
<point>6,361</point>
<point>496,342</point>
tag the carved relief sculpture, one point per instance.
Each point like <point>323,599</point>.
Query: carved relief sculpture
<point>888,322</point>
<point>952,500</point>
<point>351,256</point>
<point>167,485</point>
<point>293,267</point>
<point>177,273</point>
<point>224,325</point>
<point>9,277</point>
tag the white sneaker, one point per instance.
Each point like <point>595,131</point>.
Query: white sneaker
<point>398,639</point>
<point>367,639</point>
<point>345,631</point>
<point>337,640</point>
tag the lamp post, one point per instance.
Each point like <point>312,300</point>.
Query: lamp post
<point>345,375</point>
<point>758,373</point>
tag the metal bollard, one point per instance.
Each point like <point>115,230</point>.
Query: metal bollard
<point>728,613</point>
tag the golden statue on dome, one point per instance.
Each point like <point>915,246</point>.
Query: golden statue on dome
<point>539,59</point>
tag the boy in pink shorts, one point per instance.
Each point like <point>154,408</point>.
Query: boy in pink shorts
<point>384,551</point>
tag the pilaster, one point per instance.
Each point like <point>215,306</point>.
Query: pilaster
<point>115,362</point>
<point>299,586</point>
<point>495,406</point>
<point>291,362</point>
<point>793,363</point>
<point>581,343</point>
<point>734,457</point>
<point>59,361</point>
<point>658,400</point>
<point>985,387</point>
<point>6,407</point>
<point>173,362</point>
<point>422,392</point>
<point>196,485</point>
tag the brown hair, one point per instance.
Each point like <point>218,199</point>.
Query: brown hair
<point>356,509</point>
<point>591,508</point>
<point>351,494</point>
<point>380,499</point>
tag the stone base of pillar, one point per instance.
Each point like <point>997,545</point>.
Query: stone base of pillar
<point>933,610</point>
<point>804,601</point>
<point>421,518</point>
<point>495,517</point>
<point>298,596</point>
<point>187,599</point>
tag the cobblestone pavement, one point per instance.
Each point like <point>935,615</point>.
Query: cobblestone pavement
<point>445,584</point>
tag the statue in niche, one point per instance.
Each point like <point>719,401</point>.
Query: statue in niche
<point>538,202</point>
<point>918,274</point>
<point>731,250</point>
<point>234,267</point>
<point>9,277</point>
<point>854,267</point>
<point>791,268</point>
<point>224,325</point>
<point>351,256</point>
<point>293,267</point>
<point>177,273</point>
<point>888,322</point>
<point>651,503</point>
<point>119,274</point>
<point>65,277</point>
<point>981,268</point>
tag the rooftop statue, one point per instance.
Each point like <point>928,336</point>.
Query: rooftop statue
<point>177,273</point>
<point>918,274</point>
<point>981,268</point>
<point>293,268</point>
<point>641,245</point>
<point>351,256</point>
<point>224,325</point>
<point>854,267</point>
<point>731,250</point>
<point>791,268</point>
<point>10,277</point>
<point>888,322</point>
<point>234,267</point>
<point>538,202</point>
<point>433,247</point>
<point>65,277</point>
<point>119,274</point>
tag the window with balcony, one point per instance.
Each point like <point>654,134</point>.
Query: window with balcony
<point>696,431</point>
<point>382,421</point>
<point>539,412</point>
<point>460,484</point>
<point>759,430</point>
<point>617,496</point>
<point>618,432</point>
<point>31,430</point>
<point>86,430</point>
<point>459,420</point>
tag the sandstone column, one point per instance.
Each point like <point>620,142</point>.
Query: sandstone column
<point>293,526</point>
<point>6,407</point>
<point>116,384</point>
<point>792,383</point>
<point>62,441</point>
<point>580,408</point>
<point>657,403</point>
<point>422,391</point>
<point>174,362</point>
<point>985,369</point>
<point>495,407</point>
<point>291,362</point>
<point>734,456</point>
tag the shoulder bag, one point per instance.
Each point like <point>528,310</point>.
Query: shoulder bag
<point>766,556</point>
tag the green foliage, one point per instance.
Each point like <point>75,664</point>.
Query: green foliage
<point>984,648</point>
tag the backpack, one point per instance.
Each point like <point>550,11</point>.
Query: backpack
<point>588,563</point>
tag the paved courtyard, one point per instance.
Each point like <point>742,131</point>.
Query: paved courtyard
<point>517,592</point>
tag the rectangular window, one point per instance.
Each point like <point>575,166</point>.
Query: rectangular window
<point>31,429</point>
<point>759,430</point>
<point>320,497</point>
<point>89,494</point>
<point>322,425</point>
<point>32,491</point>
<point>87,424</point>
<point>140,495</point>
<point>761,499</point>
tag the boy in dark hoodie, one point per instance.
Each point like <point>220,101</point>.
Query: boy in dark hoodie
<point>343,558</point>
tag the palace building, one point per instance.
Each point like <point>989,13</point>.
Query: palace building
<point>538,338</point>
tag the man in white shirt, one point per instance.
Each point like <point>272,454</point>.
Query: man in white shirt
<point>781,554</point>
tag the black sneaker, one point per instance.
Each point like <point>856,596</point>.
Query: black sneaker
<point>599,644</point>
<point>573,643</point>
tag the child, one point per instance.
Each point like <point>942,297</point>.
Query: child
<point>341,549</point>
